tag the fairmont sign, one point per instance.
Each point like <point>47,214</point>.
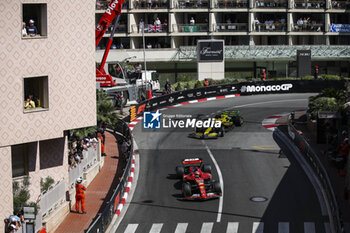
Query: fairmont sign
<point>210,51</point>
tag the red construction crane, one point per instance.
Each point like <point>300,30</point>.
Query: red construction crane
<point>112,12</point>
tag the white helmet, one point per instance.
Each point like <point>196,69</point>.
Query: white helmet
<point>79,180</point>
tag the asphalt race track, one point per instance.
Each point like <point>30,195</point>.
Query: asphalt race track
<point>251,166</point>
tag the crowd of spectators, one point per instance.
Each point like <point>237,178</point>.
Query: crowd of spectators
<point>271,4</point>
<point>270,25</point>
<point>309,4</point>
<point>76,148</point>
<point>30,30</point>
<point>306,24</point>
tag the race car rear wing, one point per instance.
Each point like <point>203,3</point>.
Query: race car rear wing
<point>192,161</point>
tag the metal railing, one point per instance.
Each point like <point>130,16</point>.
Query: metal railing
<point>231,4</point>
<point>270,27</point>
<point>103,219</point>
<point>316,165</point>
<point>309,4</point>
<point>309,27</point>
<point>155,4</point>
<point>340,4</point>
<point>200,27</point>
<point>190,4</point>
<point>271,4</point>
<point>90,158</point>
<point>230,27</point>
<point>102,5</point>
<point>53,198</point>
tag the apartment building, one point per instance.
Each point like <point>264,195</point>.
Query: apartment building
<point>47,86</point>
<point>264,26</point>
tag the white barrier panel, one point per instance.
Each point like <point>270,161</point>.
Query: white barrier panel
<point>53,198</point>
<point>90,158</point>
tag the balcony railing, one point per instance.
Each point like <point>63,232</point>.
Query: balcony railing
<point>340,4</point>
<point>149,28</point>
<point>200,27</point>
<point>191,4</point>
<point>271,4</point>
<point>149,4</point>
<point>121,28</point>
<point>231,4</point>
<point>102,5</point>
<point>309,4</point>
<point>270,27</point>
<point>230,27</point>
<point>309,27</point>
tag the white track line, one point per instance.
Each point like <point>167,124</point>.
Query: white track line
<point>221,199</point>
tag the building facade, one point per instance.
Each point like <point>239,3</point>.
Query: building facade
<point>47,87</point>
<point>271,25</point>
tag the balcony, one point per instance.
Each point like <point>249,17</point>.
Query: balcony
<point>230,27</point>
<point>309,27</point>
<point>271,4</point>
<point>190,28</point>
<point>231,4</point>
<point>149,28</point>
<point>270,27</point>
<point>317,4</point>
<point>340,5</point>
<point>190,4</point>
<point>149,4</point>
<point>102,5</point>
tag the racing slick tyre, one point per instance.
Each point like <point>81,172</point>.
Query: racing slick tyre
<point>221,132</point>
<point>217,187</point>
<point>207,168</point>
<point>180,170</point>
<point>239,121</point>
<point>186,189</point>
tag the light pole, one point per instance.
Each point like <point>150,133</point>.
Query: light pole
<point>144,48</point>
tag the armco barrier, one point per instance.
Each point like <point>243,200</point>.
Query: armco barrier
<point>244,88</point>
<point>318,168</point>
<point>103,219</point>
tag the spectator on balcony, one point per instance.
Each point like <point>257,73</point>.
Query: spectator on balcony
<point>149,46</point>
<point>24,29</point>
<point>187,3</point>
<point>300,23</point>
<point>256,23</point>
<point>199,3</point>
<point>192,22</point>
<point>157,22</point>
<point>149,4</point>
<point>31,29</point>
<point>165,25</point>
<point>141,25</point>
<point>29,103</point>
<point>306,22</point>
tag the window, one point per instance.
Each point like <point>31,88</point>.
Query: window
<point>36,93</point>
<point>19,160</point>
<point>34,21</point>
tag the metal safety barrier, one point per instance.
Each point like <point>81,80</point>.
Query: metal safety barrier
<point>314,162</point>
<point>53,198</point>
<point>90,158</point>
<point>103,219</point>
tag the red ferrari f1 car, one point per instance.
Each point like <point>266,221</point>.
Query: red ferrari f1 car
<point>197,180</point>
